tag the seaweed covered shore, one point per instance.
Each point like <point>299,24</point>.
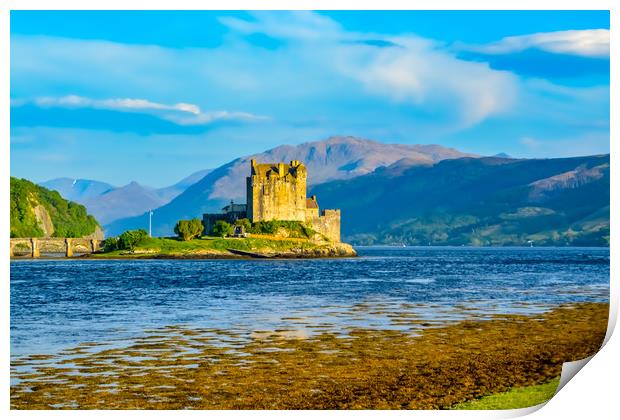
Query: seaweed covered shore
<point>433,368</point>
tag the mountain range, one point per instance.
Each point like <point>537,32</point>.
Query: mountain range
<point>333,159</point>
<point>477,201</point>
<point>392,194</point>
<point>108,203</point>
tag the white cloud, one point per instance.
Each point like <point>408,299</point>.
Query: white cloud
<point>420,73</point>
<point>585,43</point>
<point>122,104</point>
<point>321,73</point>
<point>296,25</point>
<point>209,117</point>
<point>180,113</point>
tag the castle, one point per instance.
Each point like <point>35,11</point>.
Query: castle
<point>277,191</point>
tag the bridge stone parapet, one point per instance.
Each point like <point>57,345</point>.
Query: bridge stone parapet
<point>67,246</point>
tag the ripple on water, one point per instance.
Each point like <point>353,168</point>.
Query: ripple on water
<point>58,304</point>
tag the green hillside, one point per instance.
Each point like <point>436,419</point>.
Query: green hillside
<point>488,201</point>
<point>39,212</point>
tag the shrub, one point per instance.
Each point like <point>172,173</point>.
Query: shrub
<point>129,239</point>
<point>110,244</point>
<point>221,228</point>
<point>247,225</point>
<point>188,229</point>
<point>307,231</point>
<point>268,227</point>
<point>295,229</point>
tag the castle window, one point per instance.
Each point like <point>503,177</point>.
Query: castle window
<point>265,190</point>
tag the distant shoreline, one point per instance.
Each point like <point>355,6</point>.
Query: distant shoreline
<point>189,257</point>
<point>281,255</point>
<point>483,246</point>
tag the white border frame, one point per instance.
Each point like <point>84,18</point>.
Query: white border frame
<point>592,394</point>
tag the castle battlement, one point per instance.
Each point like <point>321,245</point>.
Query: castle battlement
<point>273,171</point>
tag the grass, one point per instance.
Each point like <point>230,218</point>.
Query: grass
<point>218,247</point>
<point>515,398</point>
<point>177,367</point>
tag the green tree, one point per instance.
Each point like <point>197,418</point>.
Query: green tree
<point>110,244</point>
<point>221,228</point>
<point>188,229</point>
<point>129,239</point>
<point>247,225</point>
<point>69,219</point>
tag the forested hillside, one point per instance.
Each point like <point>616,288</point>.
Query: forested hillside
<point>39,212</point>
<point>485,201</point>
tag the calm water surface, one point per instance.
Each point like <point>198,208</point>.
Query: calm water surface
<point>56,304</point>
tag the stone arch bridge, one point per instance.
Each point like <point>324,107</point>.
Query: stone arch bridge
<point>34,247</point>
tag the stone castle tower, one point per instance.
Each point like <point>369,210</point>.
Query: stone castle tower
<point>276,191</point>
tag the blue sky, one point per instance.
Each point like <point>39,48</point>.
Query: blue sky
<point>154,96</point>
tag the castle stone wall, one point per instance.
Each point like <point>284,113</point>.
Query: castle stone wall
<point>312,214</point>
<point>328,224</point>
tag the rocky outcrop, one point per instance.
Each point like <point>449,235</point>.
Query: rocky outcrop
<point>323,250</point>
<point>329,250</point>
<point>44,220</point>
<point>97,234</point>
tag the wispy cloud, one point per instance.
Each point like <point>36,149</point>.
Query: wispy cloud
<point>530,142</point>
<point>116,103</point>
<point>209,117</point>
<point>592,143</point>
<point>592,43</point>
<point>180,113</point>
<point>421,73</point>
<point>293,25</point>
<point>405,69</point>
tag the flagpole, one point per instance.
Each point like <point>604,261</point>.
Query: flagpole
<point>150,214</point>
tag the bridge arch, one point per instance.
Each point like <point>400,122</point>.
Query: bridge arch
<point>34,247</point>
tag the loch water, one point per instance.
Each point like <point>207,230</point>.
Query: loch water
<point>59,303</point>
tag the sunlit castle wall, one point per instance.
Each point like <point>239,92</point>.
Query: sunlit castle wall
<point>277,191</point>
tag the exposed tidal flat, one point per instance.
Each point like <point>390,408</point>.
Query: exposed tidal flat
<point>394,328</point>
<point>180,368</point>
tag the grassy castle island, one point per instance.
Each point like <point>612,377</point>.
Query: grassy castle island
<point>278,221</point>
